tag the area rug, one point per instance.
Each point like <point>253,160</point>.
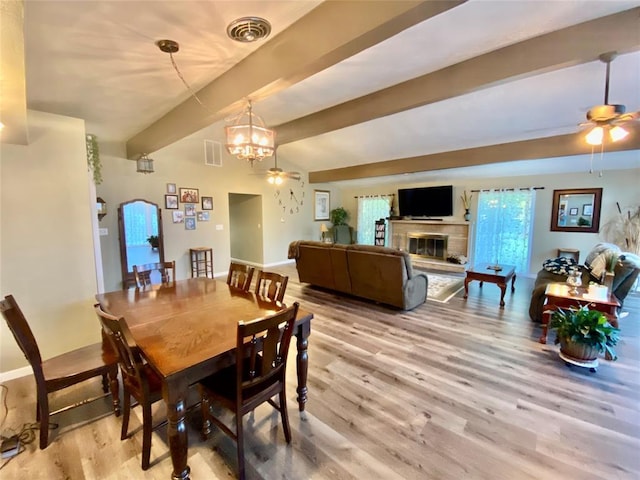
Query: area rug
<point>442,286</point>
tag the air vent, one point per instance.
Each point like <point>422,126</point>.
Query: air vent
<point>249,29</point>
<point>212,153</point>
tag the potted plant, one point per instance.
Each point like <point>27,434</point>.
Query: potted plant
<point>583,334</point>
<point>154,241</point>
<point>341,232</point>
<point>338,216</point>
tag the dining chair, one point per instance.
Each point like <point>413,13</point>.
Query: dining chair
<point>271,285</point>
<point>143,273</point>
<point>62,371</point>
<point>240,276</point>
<point>138,379</point>
<point>258,375</point>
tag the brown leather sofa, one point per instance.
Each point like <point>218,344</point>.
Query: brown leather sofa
<point>381,274</point>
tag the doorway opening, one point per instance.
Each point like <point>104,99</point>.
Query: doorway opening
<point>245,228</point>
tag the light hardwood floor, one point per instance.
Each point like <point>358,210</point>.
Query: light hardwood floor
<point>461,390</point>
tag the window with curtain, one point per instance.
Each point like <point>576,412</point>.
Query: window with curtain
<point>504,227</point>
<point>371,209</point>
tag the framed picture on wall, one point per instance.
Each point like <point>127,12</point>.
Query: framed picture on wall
<point>171,188</point>
<point>587,209</point>
<point>203,216</point>
<point>207,203</point>
<point>178,216</point>
<point>573,211</point>
<point>190,210</point>
<point>171,202</point>
<point>190,223</point>
<point>321,204</point>
<point>189,195</point>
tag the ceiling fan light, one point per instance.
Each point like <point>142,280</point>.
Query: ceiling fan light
<point>278,180</point>
<point>617,133</point>
<point>271,180</point>
<point>594,137</point>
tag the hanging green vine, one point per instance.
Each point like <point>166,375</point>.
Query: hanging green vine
<point>93,158</point>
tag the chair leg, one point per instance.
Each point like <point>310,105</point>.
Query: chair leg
<point>114,387</point>
<point>105,383</point>
<point>240,442</point>
<point>285,416</point>
<point>147,427</point>
<point>43,412</point>
<point>206,423</point>
<point>126,411</point>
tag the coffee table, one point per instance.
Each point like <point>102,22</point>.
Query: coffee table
<point>484,272</point>
<point>557,295</point>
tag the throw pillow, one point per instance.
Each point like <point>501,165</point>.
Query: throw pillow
<point>560,265</point>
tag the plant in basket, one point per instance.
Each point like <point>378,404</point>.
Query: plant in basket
<point>583,334</point>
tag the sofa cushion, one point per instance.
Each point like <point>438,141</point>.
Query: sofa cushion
<point>377,275</point>
<point>386,251</point>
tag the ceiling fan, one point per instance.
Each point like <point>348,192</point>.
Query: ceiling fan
<point>275,175</point>
<point>607,118</point>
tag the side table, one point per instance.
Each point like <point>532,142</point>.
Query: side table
<point>201,262</point>
<point>557,295</point>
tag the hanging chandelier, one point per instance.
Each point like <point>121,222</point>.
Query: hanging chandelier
<point>248,138</point>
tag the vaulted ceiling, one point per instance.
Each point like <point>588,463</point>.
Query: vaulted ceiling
<point>354,89</point>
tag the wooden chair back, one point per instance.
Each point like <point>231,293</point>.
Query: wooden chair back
<point>271,285</point>
<point>266,353</point>
<point>61,371</point>
<point>142,273</point>
<point>138,379</point>
<point>129,358</point>
<point>240,276</point>
<point>24,336</point>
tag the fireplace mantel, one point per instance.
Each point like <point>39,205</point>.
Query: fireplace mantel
<point>457,233</point>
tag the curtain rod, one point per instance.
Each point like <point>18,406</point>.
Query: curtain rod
<point>506,189</point>
<point>372,196</point>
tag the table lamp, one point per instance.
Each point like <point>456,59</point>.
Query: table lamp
<point>323,232</point>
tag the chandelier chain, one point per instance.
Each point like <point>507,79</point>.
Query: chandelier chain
<point>186,84</point>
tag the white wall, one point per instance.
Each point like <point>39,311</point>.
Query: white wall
<point>46,254</point>
<point>618,186</point>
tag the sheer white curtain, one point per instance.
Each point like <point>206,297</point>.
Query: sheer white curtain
<point>371,209</point>
<point>504,226</point>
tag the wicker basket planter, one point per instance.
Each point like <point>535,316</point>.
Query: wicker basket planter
<point>578,351</point>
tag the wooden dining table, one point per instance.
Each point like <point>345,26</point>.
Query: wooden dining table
<point>186,332</point>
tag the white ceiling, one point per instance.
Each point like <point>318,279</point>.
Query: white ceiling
<point>97,60</point>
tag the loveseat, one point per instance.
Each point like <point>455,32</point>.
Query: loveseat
<point>381,274</point>
<point>625,275</point>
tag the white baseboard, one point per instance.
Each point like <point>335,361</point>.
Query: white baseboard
<point>17,373</point>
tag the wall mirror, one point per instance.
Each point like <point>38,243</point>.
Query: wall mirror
<point>576,210</point>
<point>141,239</point>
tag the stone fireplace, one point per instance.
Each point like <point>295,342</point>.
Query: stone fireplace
<point>449,237</point>
<point>427,245</point>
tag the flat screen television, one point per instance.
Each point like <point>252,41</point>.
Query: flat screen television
<point>426,201</point>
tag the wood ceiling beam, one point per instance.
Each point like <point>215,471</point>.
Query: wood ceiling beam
<point>548,147</point>
<point>333,31</point>
<point>560,49</point>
